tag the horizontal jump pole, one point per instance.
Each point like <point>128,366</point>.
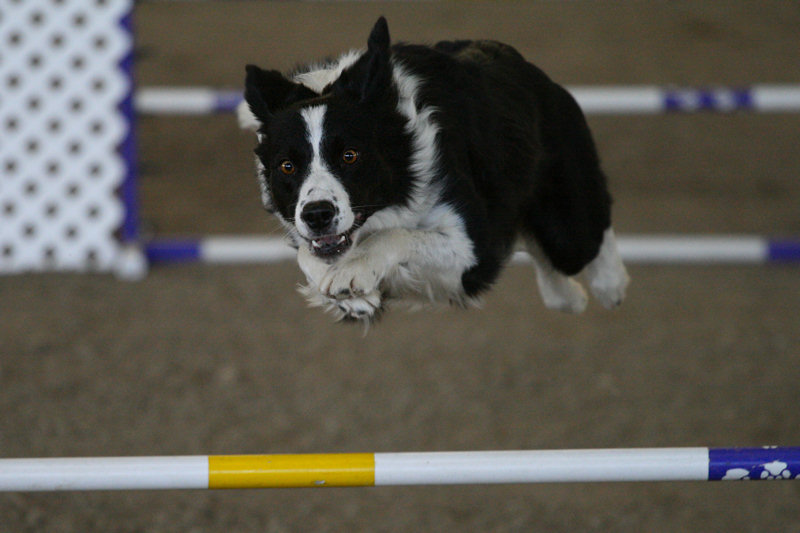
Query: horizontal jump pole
<point>386,469</point>
<point>654,249</point>
<point>633,99</point>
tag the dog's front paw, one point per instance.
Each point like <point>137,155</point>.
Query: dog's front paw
<point>353,286</point>
<point>363,308</point>
<point>354,278</point>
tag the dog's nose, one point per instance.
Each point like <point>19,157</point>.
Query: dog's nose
<point>318,215</point>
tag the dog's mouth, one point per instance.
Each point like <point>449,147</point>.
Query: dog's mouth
<point>330,246</point>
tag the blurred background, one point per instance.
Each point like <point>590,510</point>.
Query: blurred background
<point>200,359</point>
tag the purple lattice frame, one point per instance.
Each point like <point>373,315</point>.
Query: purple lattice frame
<point>129,232</point>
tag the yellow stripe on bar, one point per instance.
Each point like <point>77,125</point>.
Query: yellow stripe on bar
<point>291,470</point>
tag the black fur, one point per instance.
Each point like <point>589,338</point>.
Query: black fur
<point>518,155</point>
<point>515,155</point>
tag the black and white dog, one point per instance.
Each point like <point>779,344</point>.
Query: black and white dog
<point>410,171</point>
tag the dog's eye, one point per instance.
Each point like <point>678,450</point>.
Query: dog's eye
<point>350,156</point>
<point>287,167</point>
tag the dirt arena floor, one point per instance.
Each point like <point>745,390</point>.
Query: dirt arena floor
<point>209,359</point>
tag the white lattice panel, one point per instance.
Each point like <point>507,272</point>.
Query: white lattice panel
<point>60,128</point>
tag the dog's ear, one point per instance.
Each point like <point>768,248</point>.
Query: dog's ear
<point>267,91</point>
<point>371,76</point>
<point>379,37</point>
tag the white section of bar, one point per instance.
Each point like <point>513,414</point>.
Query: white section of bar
<point>176,100</point>
<point>446,468</point>
<point>601,100</point>
<point>104,473</point>
<point>695,249</point>
<point>633,249</point>
<point>776,98</point>
<point>245,249</point>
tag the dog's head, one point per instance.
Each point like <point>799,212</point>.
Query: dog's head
<point>333,149</point>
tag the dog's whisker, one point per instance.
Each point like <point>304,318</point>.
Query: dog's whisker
<point>365,206</point>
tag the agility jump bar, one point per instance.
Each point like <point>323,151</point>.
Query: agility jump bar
<point>634,99</point>
<point>386,469</point>
<point>654,249</point>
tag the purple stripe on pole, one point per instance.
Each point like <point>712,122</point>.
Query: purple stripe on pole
<point>721,99</point>
<point>743,99</point>
<point>672,101</point>
<point>783,251</point>
<point>173,250</point>
<point>753,463</point>
<point>127,149</point>
<point>227,101</point>
<point>707,100</point>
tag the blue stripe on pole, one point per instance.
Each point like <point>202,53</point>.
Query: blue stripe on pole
<point>173,250</point>
<point>707,100</point>
<point>743,99</point>
<point>227,101</point>
<point>783,251</point>
<point>672,101</point>
<point>721,99</point>
<point>754,463</point>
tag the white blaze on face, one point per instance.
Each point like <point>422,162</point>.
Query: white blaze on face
<point>320,184</point>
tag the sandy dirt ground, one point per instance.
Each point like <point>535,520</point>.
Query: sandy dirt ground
<point>205,360</point>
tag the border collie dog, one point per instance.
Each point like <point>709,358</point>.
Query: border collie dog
<point>409,172</point>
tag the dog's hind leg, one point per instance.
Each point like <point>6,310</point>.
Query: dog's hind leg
<point>606,274</point>
<point>569,213</point>
<point>559,291</point>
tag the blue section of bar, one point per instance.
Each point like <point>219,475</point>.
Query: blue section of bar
<point>754,463</point>
<point>743,99</point>
<point>227,101</point>
<point>721,99</point>
<point>706,100</point>
<point>783,251</point>
<point>173,250</point>
<point>672,101</point>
